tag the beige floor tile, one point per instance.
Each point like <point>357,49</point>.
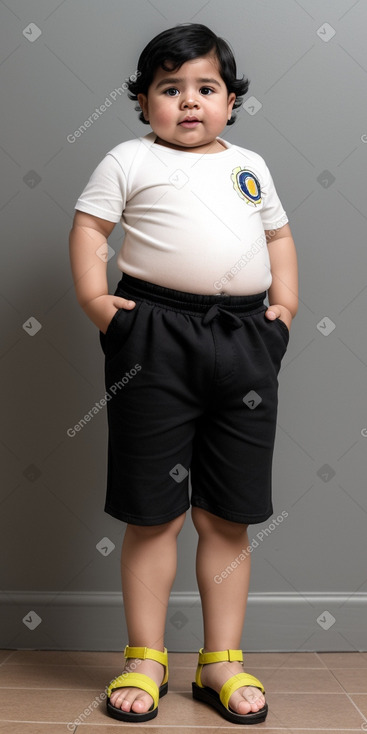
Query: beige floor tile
<point>64,657</point>
<point>53,676</point>
<point>66,677</point>
<point>108,659</point>
<point>4,655</point>
<point>311,711</point>
<point>353,680</point>
<point>59,707</point>
<point>180,679</point>
<point>298,680</point>
<point>361,701</point>
<point>181,708</point>
<point>281,659</point>
<point>183,659</point>
<point>343,659</point>
<point>35,728</point>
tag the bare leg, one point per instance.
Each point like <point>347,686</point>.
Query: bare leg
<point>224,603</point>
<point>148,569</point>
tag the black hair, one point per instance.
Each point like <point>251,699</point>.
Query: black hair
<point>177,45</point>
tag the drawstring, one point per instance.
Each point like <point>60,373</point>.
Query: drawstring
<point>229,318</point>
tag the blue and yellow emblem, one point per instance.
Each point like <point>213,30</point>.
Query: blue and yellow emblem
<point>247,185</point>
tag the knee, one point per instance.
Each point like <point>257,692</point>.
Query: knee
<point>171,528</point>
<point>208,524</point>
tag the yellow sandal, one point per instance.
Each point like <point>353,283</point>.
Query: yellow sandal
<point>220,701</point>
<point>139,680</point>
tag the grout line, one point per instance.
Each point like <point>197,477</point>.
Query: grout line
<point>349,696</point>
<point>321,661</point>
<point>183,726</point>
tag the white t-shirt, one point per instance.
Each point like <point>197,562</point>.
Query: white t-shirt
<point>193,222</point>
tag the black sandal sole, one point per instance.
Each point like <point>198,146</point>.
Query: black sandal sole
<point>209,696</point>
<point>131,716</point>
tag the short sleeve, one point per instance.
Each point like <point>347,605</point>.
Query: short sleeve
<point>272,213</point>
<point>105,193</point>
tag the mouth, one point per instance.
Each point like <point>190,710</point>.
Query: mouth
<point>190,122</point>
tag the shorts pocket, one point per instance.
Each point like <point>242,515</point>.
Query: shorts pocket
<point>279,341</point>
<point>284,328</point>
<point>118,330</point>
<point>274,334</point>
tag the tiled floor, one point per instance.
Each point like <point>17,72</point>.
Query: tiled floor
<point>45,692</point>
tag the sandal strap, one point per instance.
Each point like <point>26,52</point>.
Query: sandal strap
<point>148,653</point>
<point>219,657</point>
<point>136,680</point>
<point>144,653</point>
<point>215,657</point>
<point>236,682</point>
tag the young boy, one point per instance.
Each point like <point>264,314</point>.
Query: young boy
<point>192,356</point>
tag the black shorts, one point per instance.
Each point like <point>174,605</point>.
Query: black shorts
<point>191,385</point>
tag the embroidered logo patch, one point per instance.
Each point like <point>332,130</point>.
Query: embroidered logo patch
<point>247,185</point>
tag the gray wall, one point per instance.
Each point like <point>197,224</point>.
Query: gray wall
<point>308,589</point>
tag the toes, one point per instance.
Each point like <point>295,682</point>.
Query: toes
<point>257,703</point>
<point>131,700</point>
<point>239,705</point>
<point>247,700</point>
<point>119,701</point>
<point>142,704</point>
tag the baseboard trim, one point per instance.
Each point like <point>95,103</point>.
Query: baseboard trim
<point>275,622</point>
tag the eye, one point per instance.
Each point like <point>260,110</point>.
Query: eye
<point>206,91</point>
<point>171,92</point>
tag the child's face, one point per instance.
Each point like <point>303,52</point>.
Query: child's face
<point>196,90</point>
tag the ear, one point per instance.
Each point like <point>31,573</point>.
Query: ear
<point>143,102</point>
<point>230,103</point>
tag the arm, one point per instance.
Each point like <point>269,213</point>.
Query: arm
<point>89,269</point>
<point>283,292</point>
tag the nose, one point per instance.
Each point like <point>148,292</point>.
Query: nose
<point>189,101</point>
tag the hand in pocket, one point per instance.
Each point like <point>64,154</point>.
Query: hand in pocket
<point>102,309</point>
